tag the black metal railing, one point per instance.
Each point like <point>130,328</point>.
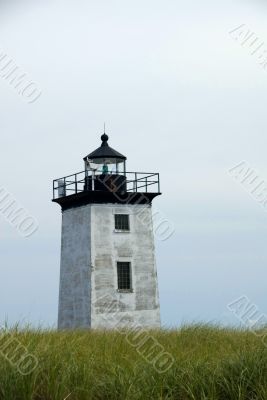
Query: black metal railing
<point>111,181</point>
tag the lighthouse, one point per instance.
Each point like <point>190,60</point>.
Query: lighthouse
<point>108,275</point>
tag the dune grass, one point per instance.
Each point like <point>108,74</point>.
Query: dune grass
<point>208,363</point>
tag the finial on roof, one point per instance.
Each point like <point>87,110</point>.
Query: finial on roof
<point>104,139</point>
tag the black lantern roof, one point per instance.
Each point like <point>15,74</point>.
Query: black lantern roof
<point>105,153</point>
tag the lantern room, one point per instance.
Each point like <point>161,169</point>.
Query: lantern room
<point>103,167</point>
<point>107,160</point>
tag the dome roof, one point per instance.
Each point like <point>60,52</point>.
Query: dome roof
<point>105,153</point>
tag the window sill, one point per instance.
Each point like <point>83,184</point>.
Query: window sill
<point>125,290</point>
<point>121,231</point>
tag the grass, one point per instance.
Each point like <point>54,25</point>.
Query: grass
<point>208,363</point>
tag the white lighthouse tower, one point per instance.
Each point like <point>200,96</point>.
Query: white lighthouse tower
<point>108,275</point>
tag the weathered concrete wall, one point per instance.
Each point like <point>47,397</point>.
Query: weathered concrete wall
<point>75,277</point>
<point>91,249</point>
<point>141,307</point>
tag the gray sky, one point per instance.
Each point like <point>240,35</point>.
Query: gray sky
<point>179,96</point>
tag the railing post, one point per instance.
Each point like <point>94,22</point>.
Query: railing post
<point>158,184</point>
<point>75,183</point>
<point>135,182</point>
<point>146,183</point>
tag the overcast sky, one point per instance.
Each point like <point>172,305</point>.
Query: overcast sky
<point>180,96</point>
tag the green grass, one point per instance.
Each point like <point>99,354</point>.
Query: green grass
<point>209,363</point>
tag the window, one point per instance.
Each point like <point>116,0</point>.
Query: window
<point>124,276</point>
<point>122,222</point>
